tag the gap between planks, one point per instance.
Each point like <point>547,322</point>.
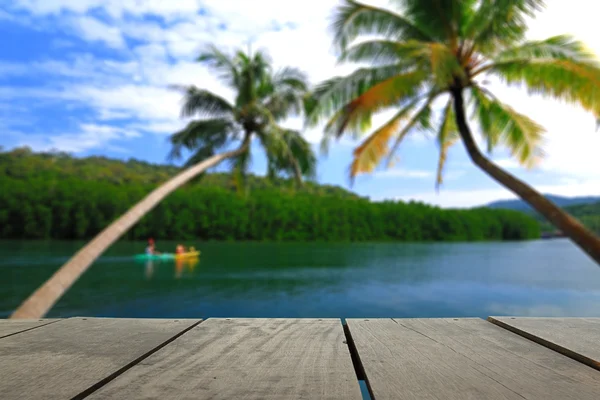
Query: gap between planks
<point>359,369</point>
<point>51,321</point>
<point>546,343</point>
<point>115,374</point>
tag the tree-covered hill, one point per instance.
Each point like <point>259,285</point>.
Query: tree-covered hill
<point>57,196</point>
<point>561,201</point>
<point>23,164</point>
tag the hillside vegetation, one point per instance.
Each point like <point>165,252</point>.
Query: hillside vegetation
<point>54,195</point>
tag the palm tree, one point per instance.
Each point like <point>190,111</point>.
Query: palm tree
<point>440,52</point>
<point>264,98</point>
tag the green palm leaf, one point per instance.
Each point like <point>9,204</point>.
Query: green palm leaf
<point>203,137</point>
<point>502,124</point>
<point>354,19</point>
<point>495,24</point>
<point>222,64</point>
<point>203,103</point>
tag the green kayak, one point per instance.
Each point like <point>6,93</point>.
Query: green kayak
<point>167,256</point>
<point>163,256</point>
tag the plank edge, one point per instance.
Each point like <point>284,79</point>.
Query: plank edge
<point>133,363</point>
<point>546,343</point>
<point>32,328</point>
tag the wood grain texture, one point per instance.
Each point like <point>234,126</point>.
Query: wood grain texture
<point>245,359</point>
<point>63,359</point>
<point>464,359</point>
<point>9,327</point>
<point>578,338</point>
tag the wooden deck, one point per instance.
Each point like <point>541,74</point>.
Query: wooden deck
<point>470,358</point>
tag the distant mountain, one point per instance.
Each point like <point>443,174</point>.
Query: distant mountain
<point>560,201</point>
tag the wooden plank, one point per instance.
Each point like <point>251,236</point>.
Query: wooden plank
<point>578,338</point>
<point>245,359</point>
<point>9,327</point>
<point>464,359</point>
<point>64,359</point>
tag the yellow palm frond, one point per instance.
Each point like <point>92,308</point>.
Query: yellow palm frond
<point>447,136</point>
<point>368,155</point>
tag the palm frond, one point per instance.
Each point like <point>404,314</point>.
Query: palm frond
<point>560,47</point>
<point>440,20</point>
<point>377,96</point>
<point>301,152</point>
<point>495,24</point>
<point>445,67</point>
<point>204,137</point>
<point>332,94</point>
<point>283,104</point>
<point>502,124</point>
<point>420,119</point>
<point>287,151</point>
<point>223,65</point>
<point>447,136</point>
<point>377,51</point>
<point>353,19</point>
<point>369,154</point>
<point>291,78</point>
<point>203,103</point>
<point>563,79</point>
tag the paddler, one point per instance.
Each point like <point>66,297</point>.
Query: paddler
<point>150,249</point>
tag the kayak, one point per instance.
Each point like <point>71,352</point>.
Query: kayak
<point>167,256</point>
<point>190,254</point>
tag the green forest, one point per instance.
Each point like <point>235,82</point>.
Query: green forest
<point>57,196</point>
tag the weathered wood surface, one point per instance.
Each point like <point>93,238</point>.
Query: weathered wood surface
<point>64,359</point>
<point>10,327</point>
<point>245,359</point>
<point>578,338</point>
<point>464,359</point>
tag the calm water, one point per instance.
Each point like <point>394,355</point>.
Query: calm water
<point>542,278</point>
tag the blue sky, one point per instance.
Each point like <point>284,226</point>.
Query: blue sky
<point>91,77</point>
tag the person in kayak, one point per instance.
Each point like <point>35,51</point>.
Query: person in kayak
<point>151,249</point>
<point>179,249</point>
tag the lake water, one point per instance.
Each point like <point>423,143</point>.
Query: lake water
<point>538,278</point>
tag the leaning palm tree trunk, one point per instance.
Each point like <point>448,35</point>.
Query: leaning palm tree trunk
<point>40,302</point>
<point>585,239</point>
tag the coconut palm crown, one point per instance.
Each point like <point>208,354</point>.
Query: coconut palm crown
<point>263,99</point>
<point>421,52</point>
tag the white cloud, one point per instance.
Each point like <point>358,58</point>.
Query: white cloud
<point>94,30</point>
<point>403,173</point>
<point>115,8</point>
<point>459,198</point>
<point>89,136</point>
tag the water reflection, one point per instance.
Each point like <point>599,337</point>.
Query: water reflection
<point>181,266</point>
<point>185,263</point>
<point>149,271</point>
<point>316,280</point>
